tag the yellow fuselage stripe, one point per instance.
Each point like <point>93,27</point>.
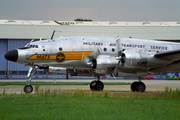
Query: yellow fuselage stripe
<point>68,56</point>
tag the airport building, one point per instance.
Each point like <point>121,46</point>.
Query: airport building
<point>16,33</point>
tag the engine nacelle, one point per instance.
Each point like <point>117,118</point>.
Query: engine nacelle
<point>131,58</point>
<point>104,62</point>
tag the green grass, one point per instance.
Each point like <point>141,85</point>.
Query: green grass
<point>82,105</point>
<point>61,83</point>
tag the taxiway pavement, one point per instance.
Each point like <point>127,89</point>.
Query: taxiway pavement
<point>151,85</point>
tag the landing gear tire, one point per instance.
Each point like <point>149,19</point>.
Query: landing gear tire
<point>141,87</point>
<point>138,87</point>
<point>99,86</point>
<point>93,86</point>
<point>28,89</point>
<point>134,86</point>
<point>96,86</point>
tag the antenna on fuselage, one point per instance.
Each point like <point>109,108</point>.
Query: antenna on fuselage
<point>53,34</point>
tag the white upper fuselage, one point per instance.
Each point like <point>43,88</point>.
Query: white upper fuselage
<point>79,52</point>
<point>105,45</point>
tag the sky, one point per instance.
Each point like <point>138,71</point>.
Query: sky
<point>97,10</point>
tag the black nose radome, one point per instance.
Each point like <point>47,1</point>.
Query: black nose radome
<point>11,55</point>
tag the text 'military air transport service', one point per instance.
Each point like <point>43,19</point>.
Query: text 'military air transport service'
<point>97,56</point>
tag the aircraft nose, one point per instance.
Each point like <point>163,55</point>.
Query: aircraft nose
<point>11,55</point>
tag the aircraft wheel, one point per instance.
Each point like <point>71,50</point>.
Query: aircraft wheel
<point>134,86</point>
<point>28,89</point>
<point>99,86</point>
<point>141,87</point>
<point>93,85</point>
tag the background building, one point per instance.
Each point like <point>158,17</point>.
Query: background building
<point>16,33</point>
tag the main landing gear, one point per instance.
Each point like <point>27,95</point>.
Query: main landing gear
<point>28,88</point>
<point>97,85</point>
<point>138,86</point>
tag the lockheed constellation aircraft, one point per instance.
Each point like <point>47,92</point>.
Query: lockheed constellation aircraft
<point>97,56</point>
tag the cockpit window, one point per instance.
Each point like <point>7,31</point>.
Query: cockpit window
<point>32,46</point>
<point>27,45</point>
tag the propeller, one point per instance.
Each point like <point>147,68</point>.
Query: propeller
<point>121,56</point>
<point>92,59</point>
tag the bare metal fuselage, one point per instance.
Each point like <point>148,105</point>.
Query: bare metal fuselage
<point>103,55</point>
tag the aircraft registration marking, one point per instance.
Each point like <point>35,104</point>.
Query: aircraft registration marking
<point>61,56</point>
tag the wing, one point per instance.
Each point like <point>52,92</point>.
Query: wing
<point>173,56</point>
<point>174,67</point>
<point>169,55</point>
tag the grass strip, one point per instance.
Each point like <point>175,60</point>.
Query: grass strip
<point>61,83</point>
<point>79,104</point>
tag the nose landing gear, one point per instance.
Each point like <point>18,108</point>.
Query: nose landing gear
<point>28,88</point>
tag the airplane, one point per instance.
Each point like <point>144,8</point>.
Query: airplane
<point>97,56</point>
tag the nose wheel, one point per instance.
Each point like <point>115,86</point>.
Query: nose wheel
<point>28,89</point>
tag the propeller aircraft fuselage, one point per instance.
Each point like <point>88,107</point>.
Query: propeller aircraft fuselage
<point>98,56</point>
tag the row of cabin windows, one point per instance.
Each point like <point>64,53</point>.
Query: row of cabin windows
<point>105,49</point>
<point>60,49</point>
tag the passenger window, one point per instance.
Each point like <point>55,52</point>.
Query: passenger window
<point>105,49</point>
<point>60,49</point>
